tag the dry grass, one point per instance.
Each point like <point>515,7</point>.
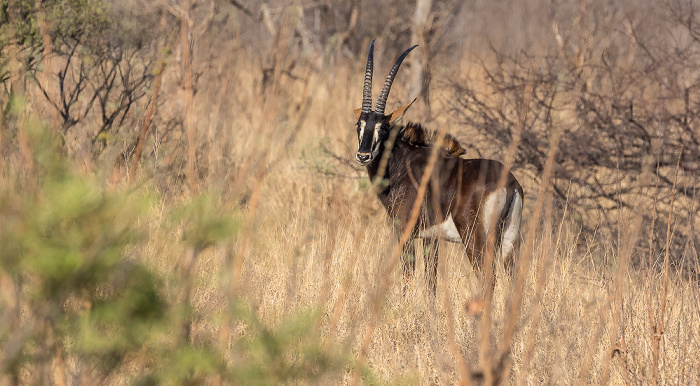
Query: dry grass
<point>320,241</point>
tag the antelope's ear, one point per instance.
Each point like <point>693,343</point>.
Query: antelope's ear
<point>358,112</point>
<point>398,114</point>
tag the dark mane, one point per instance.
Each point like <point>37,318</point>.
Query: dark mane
<point>417,135</point>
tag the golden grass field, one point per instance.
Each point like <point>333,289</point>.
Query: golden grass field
<point>322,241</point>
<point>312,239</point>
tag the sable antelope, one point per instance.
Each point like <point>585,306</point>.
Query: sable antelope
<point>462,198</point>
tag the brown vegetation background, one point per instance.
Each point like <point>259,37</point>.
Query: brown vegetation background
<point>243,109</point>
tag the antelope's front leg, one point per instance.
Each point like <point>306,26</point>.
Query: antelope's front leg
<point>408,260</point>
<point>430,257</point>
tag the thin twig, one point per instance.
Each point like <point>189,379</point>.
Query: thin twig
<point>245,10</point>
<point>658,320</point>
<point>150,112</point>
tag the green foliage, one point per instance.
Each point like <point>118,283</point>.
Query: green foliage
<point>21,20</point>
<point>291,352</point>
<point>204,222</point>
<point>79,20</point>
<point>71,24</point>
<point>62,242</point>
<point>71,249</point>
<point>130,299</point>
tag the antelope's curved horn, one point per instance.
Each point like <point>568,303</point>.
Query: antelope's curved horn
<point>381,102</point>
<point>367,90</point>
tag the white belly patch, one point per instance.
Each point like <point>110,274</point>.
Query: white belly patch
<point>446,231</point>
<point>493,207</point>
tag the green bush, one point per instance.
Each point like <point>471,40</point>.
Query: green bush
<point>72,251</point>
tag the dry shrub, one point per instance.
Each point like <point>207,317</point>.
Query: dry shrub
<point>628,77</point>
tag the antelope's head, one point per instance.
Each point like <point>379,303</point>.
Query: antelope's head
<point>373,127</point>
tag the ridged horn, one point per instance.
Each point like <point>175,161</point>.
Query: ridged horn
<point>367,90</point>
<point>381,102</point>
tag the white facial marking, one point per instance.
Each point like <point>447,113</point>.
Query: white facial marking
<point>512,227</point>
<point>375,140</point>
<point>493,206</point>
<point>446,231</point>
<point>362,130</point>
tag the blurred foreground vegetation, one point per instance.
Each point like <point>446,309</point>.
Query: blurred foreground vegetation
<point>80,305</point>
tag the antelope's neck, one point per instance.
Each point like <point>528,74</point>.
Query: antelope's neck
<point>392,170</point>
<point>373,167</point>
